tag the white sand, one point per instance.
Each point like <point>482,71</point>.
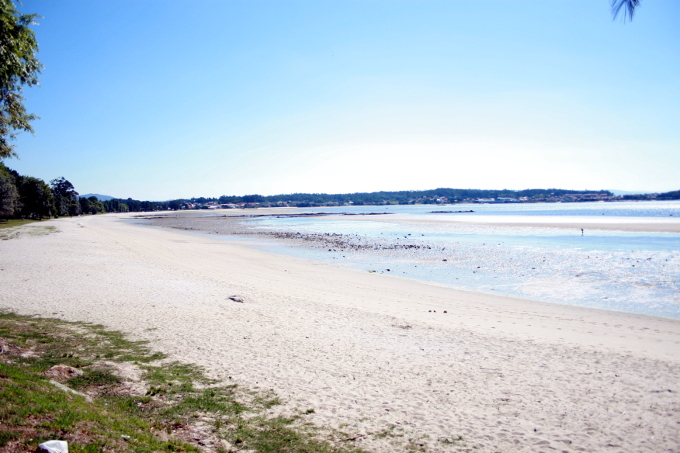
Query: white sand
<point>369,353</point>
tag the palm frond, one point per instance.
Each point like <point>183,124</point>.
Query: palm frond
<point>627,5</point>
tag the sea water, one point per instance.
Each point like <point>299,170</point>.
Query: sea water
<point>636,272</point>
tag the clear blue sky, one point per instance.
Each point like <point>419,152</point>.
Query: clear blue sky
<point>163,99</point>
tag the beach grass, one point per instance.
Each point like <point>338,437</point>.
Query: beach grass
<point>124,397</point>
<point>11,229</point>
<point>12,223</point>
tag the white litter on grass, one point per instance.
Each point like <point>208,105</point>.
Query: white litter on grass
<point>54,446</point>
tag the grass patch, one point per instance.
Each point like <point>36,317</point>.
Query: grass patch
<point>12,223</point>
<point>139,402</point>
<point>11,229</point>
<point>94,377</point>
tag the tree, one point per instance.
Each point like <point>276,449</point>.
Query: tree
<point>9,197</point>
<point>115,205</point>
<point>65,197</point>
<point>19,67</point>
<point>36,198</point>
<point>9,193</point>
<point>95,206</point>
<point>84,205</point>
<point>627,5</point>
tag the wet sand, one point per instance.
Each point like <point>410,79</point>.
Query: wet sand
<point>403,363</point>
<point>650,225</point>
<point>209,220</point>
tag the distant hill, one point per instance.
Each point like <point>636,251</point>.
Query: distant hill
<point>100,197</point>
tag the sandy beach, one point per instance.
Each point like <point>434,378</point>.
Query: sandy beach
<point>398,364</point>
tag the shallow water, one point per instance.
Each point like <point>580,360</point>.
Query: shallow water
<point>623,271</point>
<point>619,209</point>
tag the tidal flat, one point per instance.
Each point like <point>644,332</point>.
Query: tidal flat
<point>620,256</point>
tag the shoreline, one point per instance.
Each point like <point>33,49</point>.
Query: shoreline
<point>538,263</point>
<point>626,224</point>
<point>231,224</point>
<point>369,353</point>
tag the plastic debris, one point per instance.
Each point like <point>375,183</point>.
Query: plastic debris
<point>54,446</point>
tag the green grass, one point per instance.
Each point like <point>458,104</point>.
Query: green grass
<point>180,410</point>
<point>12,229</point>
<point>12,223</point>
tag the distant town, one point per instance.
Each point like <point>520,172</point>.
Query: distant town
<point>435,197</point>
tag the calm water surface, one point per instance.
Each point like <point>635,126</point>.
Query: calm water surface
<point>623,271</point>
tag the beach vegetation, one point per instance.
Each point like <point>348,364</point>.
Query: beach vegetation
<point>19,67</point>
<point>9,197</point>
<point>12,229</point>
<point>126,398</point>
<point>66,202</point>
<point>14,223</point>
<point>91,205</point>
<point>36,198</point>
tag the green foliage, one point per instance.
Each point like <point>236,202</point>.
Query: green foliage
<point>66,200</point>
<point>34,411</point>
<point>19,67</point>
<point>94,376</point>
<point>94,206</point>
<point>10,204</point>
<point>9,197</point>
<point>36,198</point>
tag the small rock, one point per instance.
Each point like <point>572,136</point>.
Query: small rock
<point>238,299</point>
<point>63,372</point>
